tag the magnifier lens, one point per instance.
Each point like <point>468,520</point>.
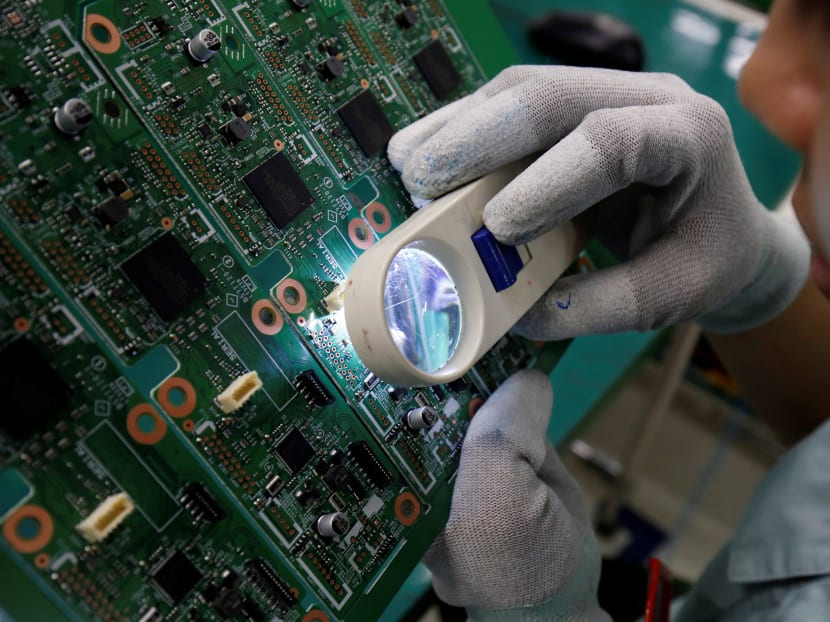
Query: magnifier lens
<point>423,311</point>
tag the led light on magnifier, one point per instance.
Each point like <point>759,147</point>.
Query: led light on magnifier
<point>423,310</point>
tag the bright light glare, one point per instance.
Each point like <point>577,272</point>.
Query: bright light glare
<point>423,311</point>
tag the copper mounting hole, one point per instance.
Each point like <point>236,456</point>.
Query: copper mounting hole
<point>177,396</point>
<point>145,425</point>
<point>29,529</point>
<point>291,295</point>
<point>266,317</point>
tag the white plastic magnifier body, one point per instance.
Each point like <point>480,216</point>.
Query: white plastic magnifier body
<point>442,231</point>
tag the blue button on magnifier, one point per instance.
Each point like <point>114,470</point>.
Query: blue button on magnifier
<point>426,302</point>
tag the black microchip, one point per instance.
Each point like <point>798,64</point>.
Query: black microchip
<point>32,390</point>
<point>279,190</point>
<point>437,68</point>
<point>112,211</point>
<point>294,451</point>
<point>165,276</point>
<point>176,576</point>
<point>368,125</point>
<point>204,130</point>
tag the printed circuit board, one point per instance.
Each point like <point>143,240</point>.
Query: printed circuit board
<point>186,432</point>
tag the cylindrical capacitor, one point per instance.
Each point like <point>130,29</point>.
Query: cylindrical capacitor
<point>301,4</point>
<point>332,524</point>
<point>73,117</point>
<point>204,46</point>
<point>422,418</point>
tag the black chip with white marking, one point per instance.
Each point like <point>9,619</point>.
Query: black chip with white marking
<point>367,124</point>
<point>294,451</point>
<point>435,65</point>
<point>279,190</point>
<point>176,576</point>
<point>166,276</point>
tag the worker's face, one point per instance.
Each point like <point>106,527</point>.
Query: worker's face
<point>786,84</point>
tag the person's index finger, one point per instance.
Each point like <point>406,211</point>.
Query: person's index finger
<point>473,144</point>
<point>407,140</point>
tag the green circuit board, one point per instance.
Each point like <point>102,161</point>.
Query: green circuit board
<point>187,433</point>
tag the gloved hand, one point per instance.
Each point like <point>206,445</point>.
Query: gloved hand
<point>518,544</point>
<point>695,244</point>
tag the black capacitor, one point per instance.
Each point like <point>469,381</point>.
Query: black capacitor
<point>204,46</point>
<point>422,418</point>
<point>73,117</point>
<point>332,524</point>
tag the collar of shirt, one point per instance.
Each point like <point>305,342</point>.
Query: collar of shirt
<point>785,532</point>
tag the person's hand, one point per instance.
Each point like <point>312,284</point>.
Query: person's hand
<point>518,544</point>
<point>695,244</point>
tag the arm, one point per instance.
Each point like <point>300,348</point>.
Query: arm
<point>781,366</point>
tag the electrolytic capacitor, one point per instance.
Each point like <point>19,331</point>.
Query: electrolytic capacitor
<point>332,524</point>
<point>421,418</point>
<point>73,117</point>
<point>204,46</point>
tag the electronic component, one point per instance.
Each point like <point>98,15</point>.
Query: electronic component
<point>294,451</point>
<point>397,393</point>
<point>366,459</point>
<point>279,190</point>
<point>336,477</point>
<point>112,212</point>
<point>407,18</point>
<point>334,524</point>
<point>109,514</point>
<point>368,125</point>
<point>166,277</point>
<point>271,586</point>
<point>334,300</point>
<point>274,486</point>
<point>196,499</point>
<point>331,68</point>
<point>238,392</point>
<point>73,116</point>
<point>151,615</point>
<point>203,46</point>
<point>176,576</point>
<point>237,130</point>
<point>371,381</point>
<point>435,65</point>
<point>314,392</point>
<point>32,390</point>
<point>301,4</point>
<point>422,418</point>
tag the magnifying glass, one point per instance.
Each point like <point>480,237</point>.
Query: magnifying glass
<point>424,304</point>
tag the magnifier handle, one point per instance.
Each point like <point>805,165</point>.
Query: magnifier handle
<point>444,229</point>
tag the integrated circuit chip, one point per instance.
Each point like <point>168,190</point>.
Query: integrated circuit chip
<point>166,276</point>
<point>368,125</point>
<point>176,576</point>
<point>279,190</point>
<point>294,451</point>
<point>435,65</point>
<point>31,389</point>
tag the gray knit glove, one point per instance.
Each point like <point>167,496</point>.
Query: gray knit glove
<point>518,544</point>
<point>695,243</point>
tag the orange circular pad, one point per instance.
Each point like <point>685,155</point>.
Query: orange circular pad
<point>140,436</point>
<point>177,410</point>
<point>40,540</point>
<point>105,47</point>
<point>302,299</point>
<point>407,508</point>
<point>266,328</point>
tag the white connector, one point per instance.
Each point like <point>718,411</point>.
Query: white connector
<point>238,392</point>
<point>334,301</point>
<point>110,513</point>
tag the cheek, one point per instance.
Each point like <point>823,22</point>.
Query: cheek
<point>819,182</point>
